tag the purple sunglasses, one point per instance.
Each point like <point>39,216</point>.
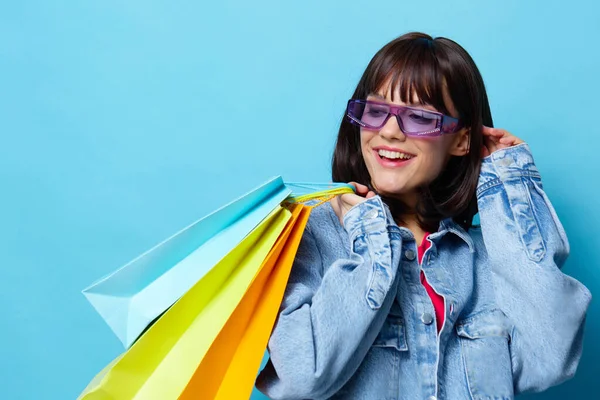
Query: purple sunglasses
<point>417,122</point>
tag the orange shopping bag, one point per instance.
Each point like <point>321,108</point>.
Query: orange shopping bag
<point>230,367</point>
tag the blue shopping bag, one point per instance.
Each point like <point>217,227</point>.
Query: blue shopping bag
<point>135,295</point>
<point>130,298</point>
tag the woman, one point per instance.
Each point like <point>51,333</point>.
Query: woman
<point>394,293</point>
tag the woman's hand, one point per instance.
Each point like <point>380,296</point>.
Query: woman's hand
<point>343,203</point>
<point>496,139</point>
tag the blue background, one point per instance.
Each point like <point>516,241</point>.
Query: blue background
<point>123,121</point>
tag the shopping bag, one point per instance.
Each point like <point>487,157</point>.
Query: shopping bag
<point>161,362</point>
<point>220,308</point>
<point>229,369</point>
<point>135,295</point>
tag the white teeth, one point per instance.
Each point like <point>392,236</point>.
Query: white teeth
<point>394,154</point>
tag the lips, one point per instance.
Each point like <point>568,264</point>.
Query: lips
<point>392,158</point>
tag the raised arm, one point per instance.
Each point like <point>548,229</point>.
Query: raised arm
<point>527,246</point>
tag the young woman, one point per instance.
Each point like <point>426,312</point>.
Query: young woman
<point>394,293</point>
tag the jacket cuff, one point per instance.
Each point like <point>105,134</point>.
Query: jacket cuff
<point>372,215</point>
<point>502,165</point>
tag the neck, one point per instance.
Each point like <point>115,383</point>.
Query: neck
<point>411,222</point>
<point>408,218</point>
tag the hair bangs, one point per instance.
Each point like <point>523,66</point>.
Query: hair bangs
<point>411,70</point>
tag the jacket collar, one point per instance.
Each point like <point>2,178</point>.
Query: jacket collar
<point>449,226</point>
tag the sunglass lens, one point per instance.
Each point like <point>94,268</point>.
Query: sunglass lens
<point>419,121</point>
<point>368,114</point>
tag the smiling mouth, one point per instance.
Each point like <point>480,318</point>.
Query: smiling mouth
<point>392,159</point>
<point>393,155</point>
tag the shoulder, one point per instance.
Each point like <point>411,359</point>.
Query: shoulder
<point>326,231</point>
<point>322,220</point>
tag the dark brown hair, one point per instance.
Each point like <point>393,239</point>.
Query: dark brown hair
<point>418,64</point>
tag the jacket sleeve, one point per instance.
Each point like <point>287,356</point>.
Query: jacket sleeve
<point>328,321</point>
<point>527,246</point>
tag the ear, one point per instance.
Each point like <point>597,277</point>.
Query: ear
<point>460,144</point>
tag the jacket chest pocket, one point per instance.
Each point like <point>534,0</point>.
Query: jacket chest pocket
<point>484,340</point>
<point>392,334</point>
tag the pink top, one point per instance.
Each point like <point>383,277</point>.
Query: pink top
<point>436,299</point>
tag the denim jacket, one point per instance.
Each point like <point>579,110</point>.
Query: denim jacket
<point>356,322</point>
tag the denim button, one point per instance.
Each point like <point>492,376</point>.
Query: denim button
<point>371,214</point>
<point>427,318</point>
<point>432,398</point>
<point>409,254</point>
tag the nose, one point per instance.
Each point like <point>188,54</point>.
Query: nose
<point>391,130</point>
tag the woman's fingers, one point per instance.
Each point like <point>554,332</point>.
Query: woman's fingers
<point>510,140</point>
<point>360,188</point>
<point>501,135</point>
<point>349,200</point>
<point>496,139</point>
<point>487,131</point>
<point>343,203</point>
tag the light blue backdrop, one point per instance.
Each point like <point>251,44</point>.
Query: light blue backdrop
<point>123,121</point>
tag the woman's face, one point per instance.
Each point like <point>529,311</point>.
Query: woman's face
<point>421,159</point>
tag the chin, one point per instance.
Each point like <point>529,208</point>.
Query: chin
<point>390,189</point>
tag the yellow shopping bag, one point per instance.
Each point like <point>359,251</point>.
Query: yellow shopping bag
<point>161,363</point>
<point>230,366</point>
